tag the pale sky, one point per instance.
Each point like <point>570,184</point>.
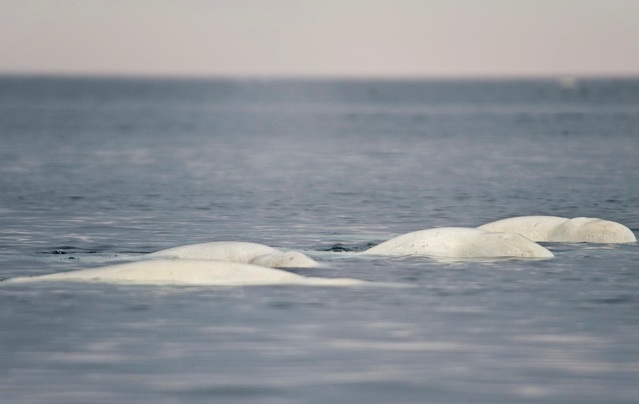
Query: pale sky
<point>354,38</point>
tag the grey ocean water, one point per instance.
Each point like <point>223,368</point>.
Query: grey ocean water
<point>96,171</point>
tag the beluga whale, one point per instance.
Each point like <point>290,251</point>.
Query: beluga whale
<point>187,272</point>
<point>460,242</point>
<point>239,251</point>
<point>564,230</point>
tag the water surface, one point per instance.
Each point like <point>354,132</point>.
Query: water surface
<point>97,171</point>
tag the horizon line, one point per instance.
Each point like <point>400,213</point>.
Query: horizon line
<point>319,77</point>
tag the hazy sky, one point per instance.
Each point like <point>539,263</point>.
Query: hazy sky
<point>321,37</point>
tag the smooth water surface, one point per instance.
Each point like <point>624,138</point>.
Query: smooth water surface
<point>98,171</point>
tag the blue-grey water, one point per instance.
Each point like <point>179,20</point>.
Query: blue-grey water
<point>97,171</point>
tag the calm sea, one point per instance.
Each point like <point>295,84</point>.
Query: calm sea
<point>97,171</point>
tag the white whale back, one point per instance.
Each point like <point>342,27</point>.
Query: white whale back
<point>461,242</point>
<point>189,272</point>
<point>237,251</point>
<point>561,229</point>
<point>288,259</point>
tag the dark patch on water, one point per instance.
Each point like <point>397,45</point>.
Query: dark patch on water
<point>340,247</point>
<point>614,300</point>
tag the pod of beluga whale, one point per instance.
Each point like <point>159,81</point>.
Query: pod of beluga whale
<point>231,263</point>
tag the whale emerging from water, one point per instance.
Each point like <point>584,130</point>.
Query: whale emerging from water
<point>561,229</point>
<point>461,242</point>
<point>238,251</point>
<point>188,272</point>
